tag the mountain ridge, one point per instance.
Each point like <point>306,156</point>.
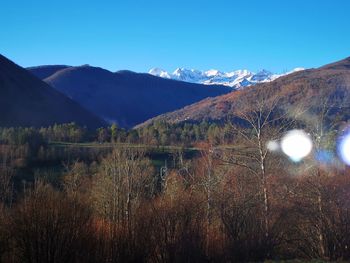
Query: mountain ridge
<point>125,97</point>
<point>27,101</point>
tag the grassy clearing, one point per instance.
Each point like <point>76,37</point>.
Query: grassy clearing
<point>127,145</point>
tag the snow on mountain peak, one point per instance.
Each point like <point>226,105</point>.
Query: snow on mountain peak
<point>240,72</point>
<point>213,73</point>
<point>236,79</point>
<point>296,70</point>
<point>188,75</point>
<point>159,73</point>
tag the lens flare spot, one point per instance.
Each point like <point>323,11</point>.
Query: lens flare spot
<point>273,146</point>
<point>344,148</point>
<point>296,144</point>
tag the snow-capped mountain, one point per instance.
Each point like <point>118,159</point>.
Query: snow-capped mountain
<point>160,73</point>
<point>235,79</point>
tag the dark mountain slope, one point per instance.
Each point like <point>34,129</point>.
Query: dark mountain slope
<point>304,86</point>
<point>125,97</point>
<point>27,101</point>
<point>43,72</point>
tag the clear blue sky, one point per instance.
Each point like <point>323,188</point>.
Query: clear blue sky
<point>138,35</point>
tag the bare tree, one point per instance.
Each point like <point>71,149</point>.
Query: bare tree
<point>254,125</point>
<point>74,179</point>
<point>6,185</point>
<point>322,123</point>
<point>124,180</point>
<point>48,227</point>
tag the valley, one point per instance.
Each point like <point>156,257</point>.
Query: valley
<point>147,168</point>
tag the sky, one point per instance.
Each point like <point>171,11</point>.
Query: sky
<point>277,35</point>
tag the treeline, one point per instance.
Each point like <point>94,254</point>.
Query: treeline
<point>158,133</point>
<point>162,133</point>
<point>69,132</point>
<point>24,145</point>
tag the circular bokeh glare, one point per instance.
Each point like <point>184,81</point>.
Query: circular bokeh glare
<point>296,144</point>
<point>344,148</point>
<point>273,146</point>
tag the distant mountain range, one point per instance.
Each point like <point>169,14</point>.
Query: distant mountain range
<point>27,101</point>
<point>124,97</point>
<point>307,86</point>
<point>236,79</point>
<point>93,97</point>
